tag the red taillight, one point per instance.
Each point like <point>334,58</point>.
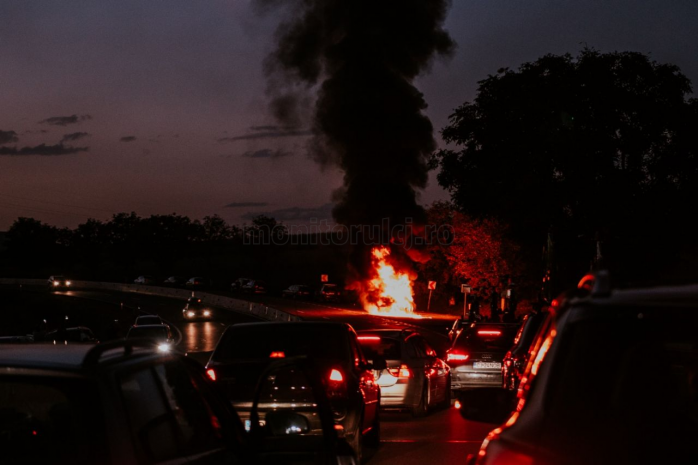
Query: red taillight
<point>278,354</point>
<point>336,376</point>
<point>370,338</point>
<point>489,332</point>
<point>457,404</point>
<point>456,357</point>
<point>508,362</point>
<point>402,372</point>
<point>211,374</point>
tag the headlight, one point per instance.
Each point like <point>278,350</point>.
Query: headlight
<point>164,347</point>
<point>55,283</point>
<point>68,283</point>
<point>190,314</point>
<point>207,313</point>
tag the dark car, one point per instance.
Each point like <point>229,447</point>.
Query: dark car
<point>111,404</point>
<point>516,359</point>
<point>616,367</point>
<point>198,282</point>
<point>75,334</point>
<point>255,286</point>
<point>159,335</point>
<point>57,282</point>
<point>175,281</point>
<point>196,309</point>
<point>329,293</point>
<point>148,320</point>
<point>246,350</point>
<point>239,283</point>
<point>146,280</point>
<point>414,377</point>
<point>477,353</point>
<point>297,291</point>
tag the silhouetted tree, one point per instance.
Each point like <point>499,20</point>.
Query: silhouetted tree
<point>600,151</point>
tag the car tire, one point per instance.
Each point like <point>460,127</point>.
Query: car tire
<point>422,408</point>
<point>373,438</point>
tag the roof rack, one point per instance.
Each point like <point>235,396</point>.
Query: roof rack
<point>93,356</point>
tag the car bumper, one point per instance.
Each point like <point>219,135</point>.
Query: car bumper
<point>470,379</point>
<point>400,395</point>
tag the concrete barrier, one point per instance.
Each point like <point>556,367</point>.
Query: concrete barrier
<point>229,303</point>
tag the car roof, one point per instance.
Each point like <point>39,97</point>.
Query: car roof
<point>394,333</point>
<point>45,355</point>
<point>289,324</point>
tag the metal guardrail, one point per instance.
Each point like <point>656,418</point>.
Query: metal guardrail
<point>229,303</point>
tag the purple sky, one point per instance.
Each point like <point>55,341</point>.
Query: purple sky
<point>169,99</point>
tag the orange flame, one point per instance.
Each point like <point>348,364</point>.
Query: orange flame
<point>390,293</point>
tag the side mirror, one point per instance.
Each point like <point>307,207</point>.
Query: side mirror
<point>283,422</point>
<point>379,363</point>
<point>487,405</point>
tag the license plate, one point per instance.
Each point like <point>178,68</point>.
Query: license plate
<point>487,365</point>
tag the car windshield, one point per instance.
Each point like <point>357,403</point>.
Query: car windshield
<point>259,342</point>
<point>58,278</point>
<point>149,320</point>
<point>49,421</point>
<point>149,332</point>
<point>377,346</point>
<point>487,338</point>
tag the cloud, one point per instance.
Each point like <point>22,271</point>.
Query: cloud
<point>43,149</point>
<point>73,136</point>
<point>268,132</point>
<point>246,204</point>
<point>65,120</point>
<point>8,136</point>
<point>128,139</point>
<point>266,153</point>
<point>295,213</point>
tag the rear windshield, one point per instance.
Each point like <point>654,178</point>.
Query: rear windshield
<point>376,346</point>
<point>49,420</point>
<point>497,338</point>
<point>259,342</point>
<point>150,333</point>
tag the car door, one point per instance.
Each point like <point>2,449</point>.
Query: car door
<point>367,383</point>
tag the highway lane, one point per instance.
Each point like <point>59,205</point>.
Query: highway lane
<point>441,437</point>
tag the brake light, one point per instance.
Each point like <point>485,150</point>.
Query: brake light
<point>456,357</point>
<point>488,332</point>
<point>402,372</point>
<point>278,354</point>
<point>457,404</point>
<point>369,338</point>
<point>336,376</point>
<point>211,374</point>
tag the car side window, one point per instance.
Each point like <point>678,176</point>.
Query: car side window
<point>149,417</point>
<point>199,427</point>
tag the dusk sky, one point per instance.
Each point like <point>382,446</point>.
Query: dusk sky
<point>159,106</point>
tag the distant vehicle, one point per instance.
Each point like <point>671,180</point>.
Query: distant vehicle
<point>615,366</point>
<point>297,291</point>
<point>175,281</point>
<point>27,339</point>
<point>516,359</point>
<point>477,353</point>
<point>57,282</point>
<point>239,283</point>
<point>255,287</point>
<point>245,350</point>
<point>160,335</point>
<point>148,320</point>
<point>196,309</point>
<point>414,377</point>
<point>148,280</point>
<point>197,282</point>
<point>329,293</point>
<point>112,404</point>
<point>75,334</point>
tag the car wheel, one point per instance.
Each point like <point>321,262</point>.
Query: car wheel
<point>373,438</point>
<point>422,408</point>
<point>447,394</point>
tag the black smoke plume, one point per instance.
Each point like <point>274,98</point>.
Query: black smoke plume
<point>361,57</point>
